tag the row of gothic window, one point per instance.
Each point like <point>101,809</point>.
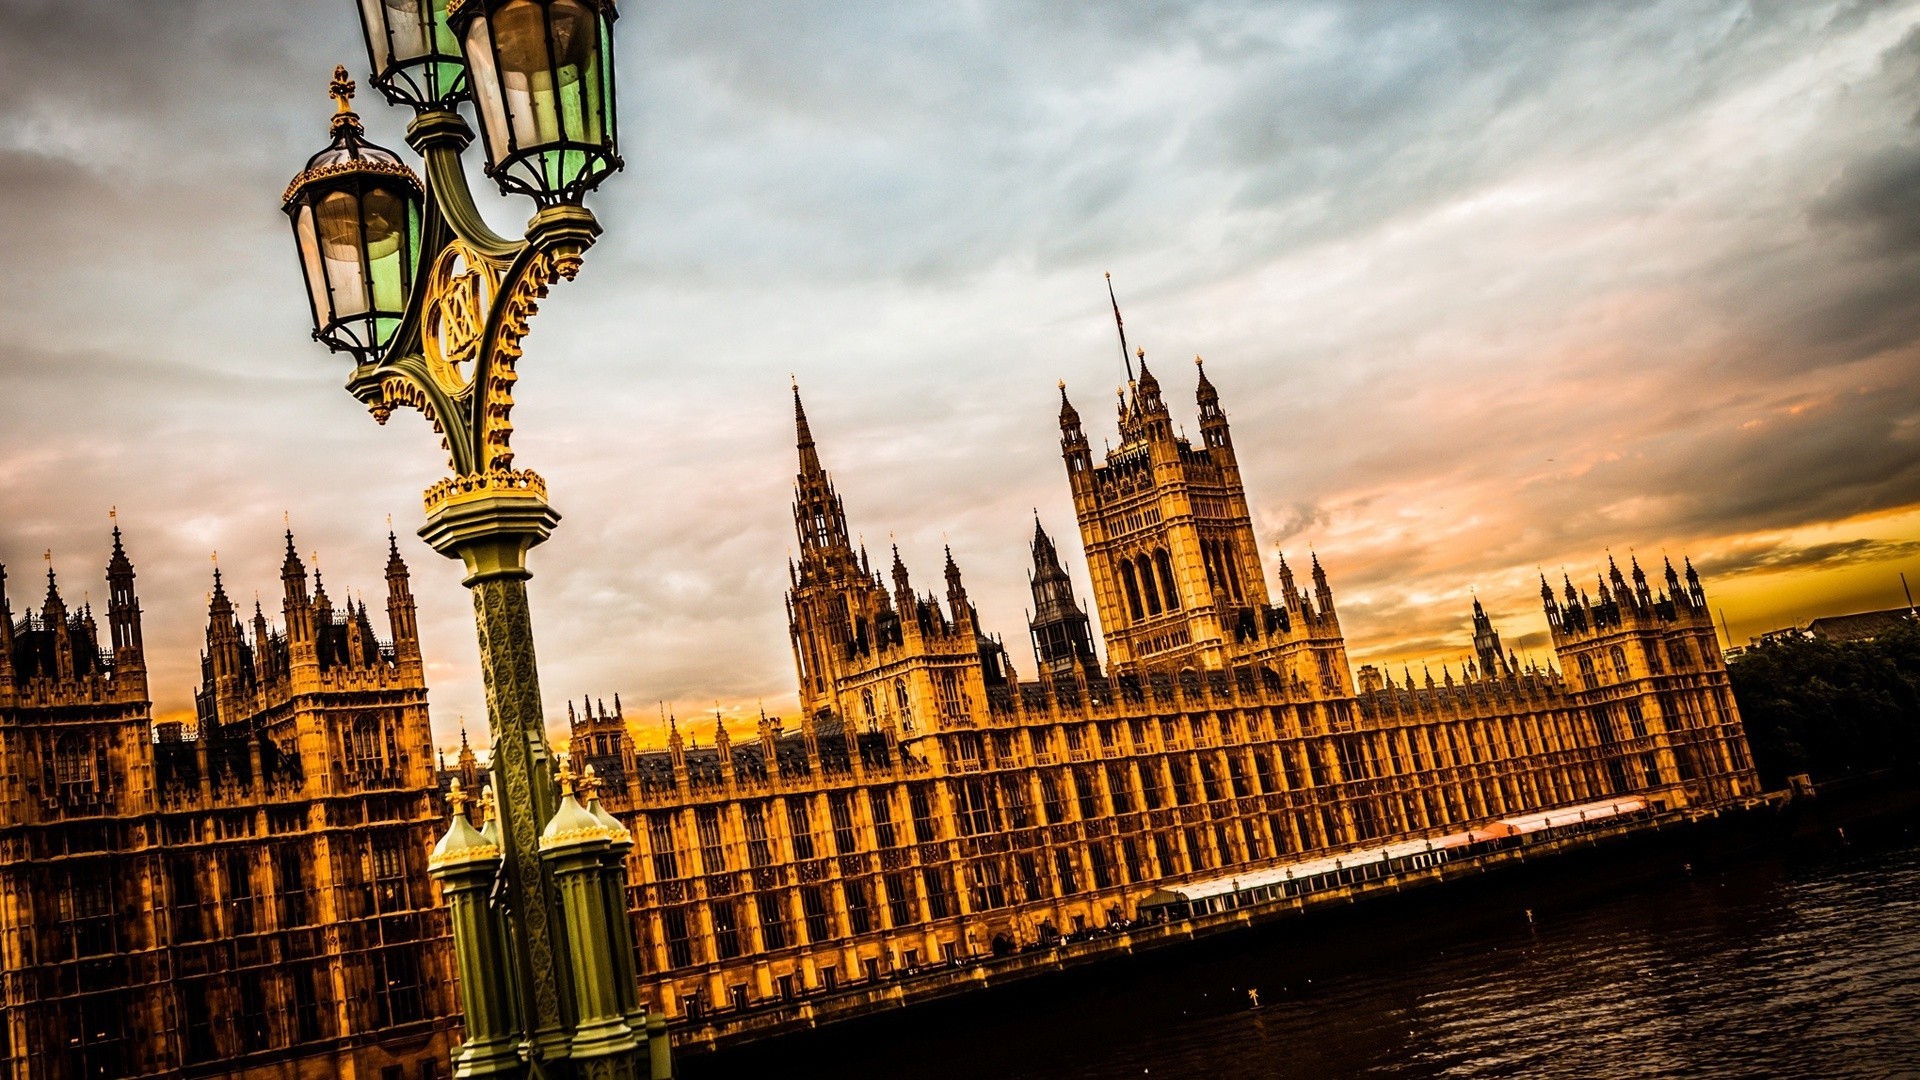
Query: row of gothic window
<point>1148,581</point>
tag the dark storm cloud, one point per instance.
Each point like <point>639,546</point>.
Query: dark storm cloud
<point>1791,557</point>
<point>1484,286</point>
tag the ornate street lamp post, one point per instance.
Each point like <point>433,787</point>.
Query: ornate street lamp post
<point>432,306</point>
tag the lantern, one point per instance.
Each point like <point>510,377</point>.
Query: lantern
<point>416,58</point>
<point>356,219</point>
<point>542,81</point>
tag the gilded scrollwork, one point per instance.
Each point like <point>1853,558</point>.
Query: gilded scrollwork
<point>461,287</point>
<point>518,306</point>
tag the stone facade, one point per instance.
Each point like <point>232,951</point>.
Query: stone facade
<point>247,897</point>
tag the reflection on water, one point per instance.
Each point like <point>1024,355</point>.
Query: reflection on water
<point>1762,968</point>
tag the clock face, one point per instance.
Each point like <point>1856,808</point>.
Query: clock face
<point>460,292</point>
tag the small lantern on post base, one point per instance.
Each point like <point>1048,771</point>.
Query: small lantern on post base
<point>355,210</point>
<point>541,74</point>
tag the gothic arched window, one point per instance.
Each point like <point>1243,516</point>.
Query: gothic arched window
<point>73,768</point>
<point>363,743</point>
<point>1133,589</point>
<point>1619,657</point>
<point>1165,566</point>
<point>1148,589</point>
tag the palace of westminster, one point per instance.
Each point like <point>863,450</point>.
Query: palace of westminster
<point>249,896</point>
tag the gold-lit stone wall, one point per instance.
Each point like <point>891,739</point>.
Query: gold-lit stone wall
<point>244,897</point>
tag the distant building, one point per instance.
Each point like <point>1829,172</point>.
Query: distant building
<point>1864,626</point>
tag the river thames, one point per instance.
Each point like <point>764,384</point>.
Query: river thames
<point>1796,965</point>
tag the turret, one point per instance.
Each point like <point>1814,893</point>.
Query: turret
<point>723,745</point>
<point>123,610</point>
<point>1062,634</point>
<point>902,587</point>
<point>957,593</point>
<point>1673,583</point>
<point>1486,644</point>
<point>1147,392</point>
<point>1640,591</point>
<point>296,608</point>
<point>6,642</point>
<point>401,615</point>
<point>1694,591</point>
<point>1213,421</point>
<point>1289,594</point>
<point>1547,602</point>
<point>1322,594</point>
<point>467,763</point>
<point>223,640</point>
<point>53,614</point>
<point>1073,440</point>
<point>677,750</point>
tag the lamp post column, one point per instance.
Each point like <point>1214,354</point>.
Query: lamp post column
<point>490,530</point>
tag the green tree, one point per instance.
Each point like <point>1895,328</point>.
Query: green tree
<point>1831,708</point>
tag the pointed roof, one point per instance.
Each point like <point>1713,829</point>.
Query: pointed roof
<point>803,439</point>
<point>53,602</point>
<point>1148,383</point>
<point>219,606</point>
<point>1045,555</point>
<point>1204,385</point>
<point>118,565</point>
<point>395,564</point>
<point>1069,416</point>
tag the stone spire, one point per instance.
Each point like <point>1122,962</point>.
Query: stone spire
<point>123,606</point>
<point>402,617</point>
<point>819,520</point>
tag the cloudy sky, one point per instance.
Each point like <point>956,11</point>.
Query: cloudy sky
<point>1485,288</point>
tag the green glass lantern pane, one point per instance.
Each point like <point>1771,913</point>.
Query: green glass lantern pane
<point>526,73</point>
<point>413,237</point>
<point>604,62</point>
<point>338,221</point>
<point>574,31</point>
<point>384,215</point>
<point>444,41</point>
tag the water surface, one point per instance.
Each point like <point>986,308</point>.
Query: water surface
<point>1799,966</point>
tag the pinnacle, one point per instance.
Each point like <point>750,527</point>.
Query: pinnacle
<point>802,432</point>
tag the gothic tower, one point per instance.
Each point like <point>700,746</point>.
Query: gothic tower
<point>870,659</point>
<point>75,806</point>
<point>1062,636</point>
<point>1486,645</point>
<point>1648,667</point>
<point>1169,537</point>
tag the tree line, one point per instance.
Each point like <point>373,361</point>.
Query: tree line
<point>1831,708</point>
